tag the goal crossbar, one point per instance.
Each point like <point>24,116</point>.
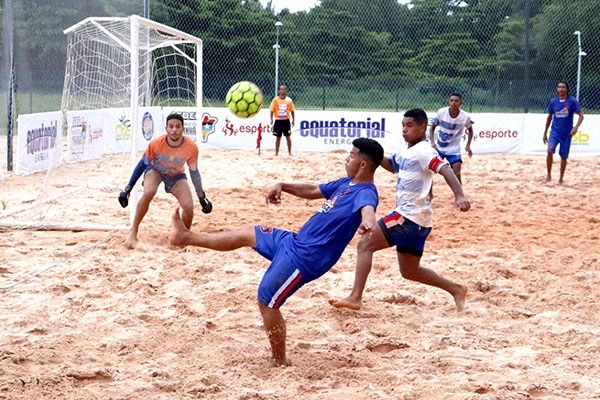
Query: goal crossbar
<point>143,22</point>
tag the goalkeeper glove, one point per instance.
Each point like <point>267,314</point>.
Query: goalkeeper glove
<point>124,196</point>
<point>206,204</point>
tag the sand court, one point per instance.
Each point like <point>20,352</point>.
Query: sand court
<point>83,317</point>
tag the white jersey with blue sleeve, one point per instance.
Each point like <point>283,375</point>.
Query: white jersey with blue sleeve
<point>416,167</point>
<point>451,130</point>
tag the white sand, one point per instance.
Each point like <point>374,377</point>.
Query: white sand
<point>161,322</point>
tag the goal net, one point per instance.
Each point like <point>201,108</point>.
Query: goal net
<point>122,76</point>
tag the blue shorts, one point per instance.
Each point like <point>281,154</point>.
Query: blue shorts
<point>451,158</point>
<point>282,279</point>
<point>168,180</point>
<point>564,143</point>
<point>407,236</point>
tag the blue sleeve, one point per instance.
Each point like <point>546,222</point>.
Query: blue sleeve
<point>550,108</point>
<point>577,107</point>
<point>366,197</point>
<point>329,188</point>
<point>138,171</point>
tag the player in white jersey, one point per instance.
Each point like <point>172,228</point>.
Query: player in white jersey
<point>452,122</point>
<point>408,226</point>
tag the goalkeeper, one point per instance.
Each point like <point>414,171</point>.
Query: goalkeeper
<point>164,161</point>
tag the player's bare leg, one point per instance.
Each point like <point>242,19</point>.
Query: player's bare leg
<point>456,167</point>
<point>151,182</point>
<point>563,167</point>
<point>367,245</point>
<point>289,144</point>
<point>549,160</point>
<point>276,332</point>
<point>410,269</point>
<point>180,235</point>
<point>277,144</point>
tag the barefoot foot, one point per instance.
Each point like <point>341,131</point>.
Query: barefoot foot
<point>346,303</point>
<point>131,242</point>
<point>176,236</point>
<point>460,298</point>
<point>280,363</point>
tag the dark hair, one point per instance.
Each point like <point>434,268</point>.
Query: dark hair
<point>455,94</point>
<point>418,115</point>
<point>371,149</point>
<point>175,116</point>
<point>566,84</point>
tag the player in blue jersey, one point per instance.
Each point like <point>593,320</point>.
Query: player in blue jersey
<point>560,113</point>
<point>409,225</point>
<point>298,258</point>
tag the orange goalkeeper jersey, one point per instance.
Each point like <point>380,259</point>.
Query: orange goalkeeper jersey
<point>169,160</point>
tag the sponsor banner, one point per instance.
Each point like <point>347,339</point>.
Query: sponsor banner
<point>93,133</point>
<point>39,142</point>
<point>190,120</point>
<point>496,133</point>
<point>313,130</point>
<point>117,129</point>
<point>85,135</point>
<point>585,142</point>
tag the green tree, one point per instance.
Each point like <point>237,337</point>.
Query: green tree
<point>41,46</point>
<point>236,37</point>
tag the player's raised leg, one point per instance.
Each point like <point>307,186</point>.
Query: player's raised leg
<point>180,235</point>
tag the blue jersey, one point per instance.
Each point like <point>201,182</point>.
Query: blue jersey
<point>562,115</point>
<point>323,238</point>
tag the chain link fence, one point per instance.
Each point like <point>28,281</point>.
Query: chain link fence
<point>341,54</point>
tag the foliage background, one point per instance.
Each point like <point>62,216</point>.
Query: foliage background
<point>351,54</point>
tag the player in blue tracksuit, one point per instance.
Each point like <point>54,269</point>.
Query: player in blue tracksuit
<point>560,112</point>
<point>298,258</point>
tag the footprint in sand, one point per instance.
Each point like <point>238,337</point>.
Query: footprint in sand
<point>386,347</point>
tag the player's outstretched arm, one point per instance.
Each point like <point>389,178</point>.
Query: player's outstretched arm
<point>135,175</point>
<point>197,181</point>
<point>303,190</point>
<point>386,164</point>
<point>460,200</point>
<point>368,220</point>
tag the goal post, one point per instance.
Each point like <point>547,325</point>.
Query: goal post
<point>130,63</point>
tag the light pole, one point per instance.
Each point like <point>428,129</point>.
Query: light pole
<point>580,53</point>
<point>278,25</point>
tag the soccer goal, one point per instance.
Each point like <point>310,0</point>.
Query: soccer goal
<point>119,71</point>
<point>129,63</point>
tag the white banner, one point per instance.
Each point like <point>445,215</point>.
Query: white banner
<point>496,133</point>
<point>117,129</point>
<point>85,135</point>
<point>585,142</point>
<point>39,142</point>
<point>313,130</point>
<point>93,133</point>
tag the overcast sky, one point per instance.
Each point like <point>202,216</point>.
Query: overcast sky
<point>293,5</point>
